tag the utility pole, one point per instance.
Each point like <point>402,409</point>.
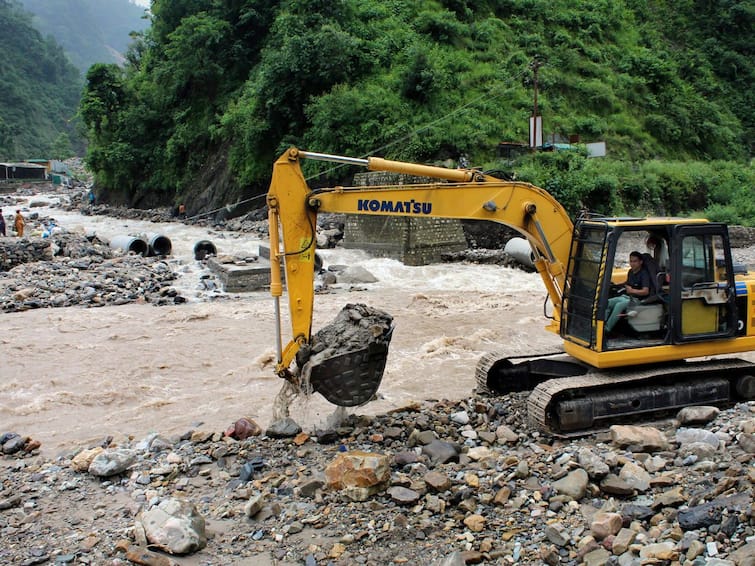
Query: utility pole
<point>535,65</point>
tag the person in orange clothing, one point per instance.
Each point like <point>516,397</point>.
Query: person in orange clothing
<point>19,224</point>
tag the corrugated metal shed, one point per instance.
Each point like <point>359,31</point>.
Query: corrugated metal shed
<point>9,171</point>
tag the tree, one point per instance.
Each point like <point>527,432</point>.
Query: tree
<point>39,90</point>
<point>103,101</point>
<point>61,147</point>
<point>216,82</point>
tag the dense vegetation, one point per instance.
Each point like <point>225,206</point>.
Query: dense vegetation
<point>90,31</point>
<point>216,89</point>
<point>39,91</point>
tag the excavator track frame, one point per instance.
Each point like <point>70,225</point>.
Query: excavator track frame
<point>569,398</point>
<point>601,397</point>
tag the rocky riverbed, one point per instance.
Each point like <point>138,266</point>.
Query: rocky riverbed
<point>446,482</point>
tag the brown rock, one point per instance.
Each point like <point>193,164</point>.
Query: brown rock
<point>550,556</point>
<point>363,473</point>
<point>243,429</point>
<point>614,485</point>
<point>83,459</point>
<point>639,438</point>
<point>605,524</point>
<point>659,551</point>
<point>122,545</point>
<point>502,496</point>
<point>301,438</point>
<point>670,498</point>
<point>403,495</point>
<point>10,502</point>
<point>472,557</point>
<point>622,540</point>
<point>200,436</point>
<point>475,523</point>
<point>438,481</point>
<point>472,479</point>
<point>144,557</point>
<point>697,415</point>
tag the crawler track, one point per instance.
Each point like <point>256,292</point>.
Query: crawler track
<point>488,363</point>
<point>582,399</point>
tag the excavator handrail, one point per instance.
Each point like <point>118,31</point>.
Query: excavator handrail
<point>464,194</point>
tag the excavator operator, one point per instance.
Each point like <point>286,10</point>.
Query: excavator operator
<point>636,286</point>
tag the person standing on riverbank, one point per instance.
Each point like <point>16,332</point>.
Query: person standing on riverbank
<point>18,224</point>
<point>2,222</point>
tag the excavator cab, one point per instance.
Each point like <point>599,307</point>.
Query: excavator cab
<point>692,294</point>
<point>660,358</point>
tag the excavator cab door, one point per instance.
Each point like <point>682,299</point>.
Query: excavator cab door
<point>585,272</point>
<point>702,297</point>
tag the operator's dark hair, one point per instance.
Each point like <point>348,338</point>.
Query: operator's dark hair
<point>638,255</point>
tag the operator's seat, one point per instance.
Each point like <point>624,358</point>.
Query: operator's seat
<point>646,315</point>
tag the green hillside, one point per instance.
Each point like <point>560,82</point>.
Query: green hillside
<point>39,91</point>
<point>90,31</point>
<point>215,90</point>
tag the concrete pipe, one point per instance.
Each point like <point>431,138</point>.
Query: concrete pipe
<point>520,250</point>
<point>159,244</point>
<point>203,248</point>
<point>130,244</point>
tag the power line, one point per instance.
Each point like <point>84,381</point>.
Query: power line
<point>228,207</point>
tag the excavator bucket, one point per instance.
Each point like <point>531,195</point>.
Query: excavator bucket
<point>351,379</point>
<point>345,360</point>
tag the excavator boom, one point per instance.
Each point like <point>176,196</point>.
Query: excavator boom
<point>462,194</point>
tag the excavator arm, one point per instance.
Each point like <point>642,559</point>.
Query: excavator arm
<point>462,194</point>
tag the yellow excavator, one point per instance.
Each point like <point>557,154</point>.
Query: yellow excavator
<point>699,304</point>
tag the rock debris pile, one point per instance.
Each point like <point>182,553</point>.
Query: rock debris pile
<point>70,269</point>
<point>446,483</point>
<point>17,252</point>
<point>357,325</point>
